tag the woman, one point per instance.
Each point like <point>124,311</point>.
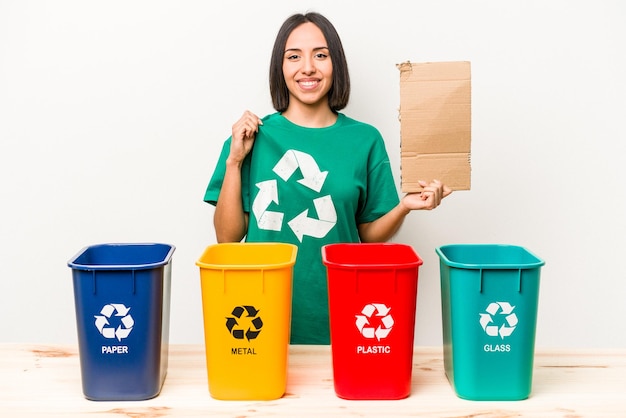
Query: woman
<point>308,174</point>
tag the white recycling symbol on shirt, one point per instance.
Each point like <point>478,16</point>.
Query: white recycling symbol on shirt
<point>126,322</point>
<point>499,309</point>
<point>312,178</point>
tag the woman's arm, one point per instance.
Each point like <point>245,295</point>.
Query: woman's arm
<point>385,227</point>
<point>230,220</point>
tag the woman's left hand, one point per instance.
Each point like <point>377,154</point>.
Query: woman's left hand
<point>429,198</point>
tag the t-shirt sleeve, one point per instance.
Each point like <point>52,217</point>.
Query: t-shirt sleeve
<point>217,179</point>
<point>382,195</point>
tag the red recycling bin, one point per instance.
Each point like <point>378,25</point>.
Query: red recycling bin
<point>372,292</point>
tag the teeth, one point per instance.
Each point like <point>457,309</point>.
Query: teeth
<point>308,83</point>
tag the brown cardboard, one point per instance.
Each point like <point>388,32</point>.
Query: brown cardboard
<point>435,124</point>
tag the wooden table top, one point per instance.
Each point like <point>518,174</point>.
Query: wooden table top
<point>44,380</point>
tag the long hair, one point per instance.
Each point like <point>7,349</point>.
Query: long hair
<point>339,92</point>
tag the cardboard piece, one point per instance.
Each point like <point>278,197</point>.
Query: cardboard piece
<point>435,124</point>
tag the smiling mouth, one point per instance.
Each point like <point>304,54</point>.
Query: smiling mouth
<point>308,84</point>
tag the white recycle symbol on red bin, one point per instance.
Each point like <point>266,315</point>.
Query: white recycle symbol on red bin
<point>377,310</point>
<point>499,309</point>
<point>126,322</point>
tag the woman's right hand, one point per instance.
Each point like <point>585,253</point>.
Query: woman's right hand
<point>243,134</point>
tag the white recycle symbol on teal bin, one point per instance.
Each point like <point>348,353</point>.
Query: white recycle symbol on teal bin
<point>498,310</point>
<point>119,312</point>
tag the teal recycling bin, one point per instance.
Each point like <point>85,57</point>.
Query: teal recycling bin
<point>489,298</point>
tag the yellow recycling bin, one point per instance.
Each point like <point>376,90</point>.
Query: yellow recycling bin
<point>246,300</point>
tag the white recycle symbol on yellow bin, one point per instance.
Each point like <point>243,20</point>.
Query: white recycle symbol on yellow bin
<point>120,312</point>
<point>499,310</point>
<point>380,311</point>
<point>313,179</point>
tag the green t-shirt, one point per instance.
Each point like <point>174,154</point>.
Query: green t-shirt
<point>311,187</point>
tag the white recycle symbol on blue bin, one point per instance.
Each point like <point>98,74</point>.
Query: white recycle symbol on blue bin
<point>119,312</point>
<point>499,310</point>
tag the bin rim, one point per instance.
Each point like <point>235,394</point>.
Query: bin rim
<point>489,266</point>
<point>140,266</point>
<point>409,264</point>
<point>222,266</point>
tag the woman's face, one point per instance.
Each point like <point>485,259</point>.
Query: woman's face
<point>307,66</point>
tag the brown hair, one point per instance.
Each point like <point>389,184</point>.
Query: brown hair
<point>339,92</point>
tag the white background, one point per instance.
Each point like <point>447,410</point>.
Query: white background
<point>112,115</point>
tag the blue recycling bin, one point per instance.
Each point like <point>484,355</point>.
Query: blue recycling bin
<point>122,302</point>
